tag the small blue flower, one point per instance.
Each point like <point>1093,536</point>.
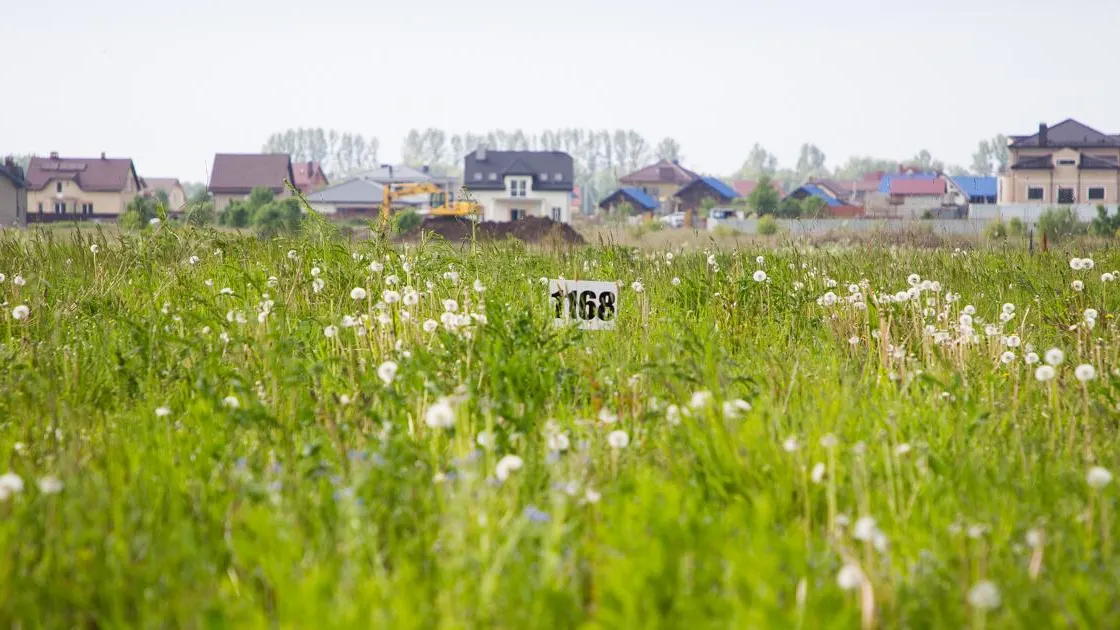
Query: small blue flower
<point>533,513</point>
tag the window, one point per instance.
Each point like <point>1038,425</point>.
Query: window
<point>493,177</point>
<point>58,187</point>
<point>1035,193</point>
<point>555,213</point>
<point>1065,195</point>
<point>516,188</point>
<point>516,214</point>
<point>1096,193</point>
<point>60,207</point>
<point>544,177</point>
<point>478,177</point>
<point>40,207</point>
<point>87,208</point>
<point>1067,162</point>
<point>558,177</point>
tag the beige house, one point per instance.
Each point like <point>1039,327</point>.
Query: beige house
<point>1069,163</point>
<point>662,181</point>
<point>176,196</point>
<point>13,195</point>
<point>235,175</point>
<point>80,188</point>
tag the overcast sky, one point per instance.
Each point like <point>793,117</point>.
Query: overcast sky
<point>171,83</point>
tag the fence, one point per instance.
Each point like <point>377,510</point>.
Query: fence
<point>962,227</point>
<point>1029,213</point>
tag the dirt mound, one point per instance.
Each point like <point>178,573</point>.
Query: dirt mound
<point>529,230</point>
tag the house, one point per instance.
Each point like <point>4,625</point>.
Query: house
<point>235,175</point>
<point>309,177</point>
<point>661,181</point>
<point>354,198</point>
<point>511,185</point>
<point>13,194</point>
<point>1068,163</point>
<point>691,196</point>
<point>834,206</point>
<point>744,187</point>
<point>80,188</point>
<point>977,189</point>
<point>176,196</point>
<point>639,200</point>
<point>851,191</point>
<point>577,200</point>
<point>404,174</point>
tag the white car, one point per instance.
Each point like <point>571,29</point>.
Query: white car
<point>675,219</point>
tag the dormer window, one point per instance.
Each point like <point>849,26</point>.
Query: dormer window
<point>493,177</point>
<point>517,188</point>
<point>58,187</point>
<point>478,177</point>
<point>558,177</point>
<point>1067,162</point>
<point>544,177</point>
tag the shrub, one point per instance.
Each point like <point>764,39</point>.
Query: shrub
<point>996,231</point>
<point>1016,227</point>
<point>406,221</point>
<point>275,217</point>
<point>201,213</point>
<point>140,211</point>
<point>767,226</point>
<point>1059,223</point>
<point>236,215</point>
<point>1104,225</point>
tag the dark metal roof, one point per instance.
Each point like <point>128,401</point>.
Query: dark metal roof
<point>714,185</point>
<point>634,195</point>
<point>1101,162</point>
<point>487,170</point>
<point>1068,133</point>
<point>1035,162</point>
<point>663,172</point>
<point>13,173</point>
<point>240,173</point>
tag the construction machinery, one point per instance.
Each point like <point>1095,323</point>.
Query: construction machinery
<point>442,203</point>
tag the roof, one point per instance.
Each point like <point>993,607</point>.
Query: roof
<point>357,191</point>
<point>634,195</point>
<point>663,172</point>
<point>304,172</point>
<point>841,188</point>
<point>1098,162</point>
<point>1035,162</point>
<point>14,174</point>
<point>917,186</point>
<point>814,190</point>
<point>242,172</point>
<point>395,174</point>
<point>161,183</point>
<point>744,187</point>
<point>886,185</point>
<point>91,174</point>
<point>974,186</point>
<point>715,185</point>
<point>550,170</point>
<point>1068,133</point>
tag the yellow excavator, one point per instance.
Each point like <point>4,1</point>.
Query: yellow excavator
<point>442,203</point>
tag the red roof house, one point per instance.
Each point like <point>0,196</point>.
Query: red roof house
<point>309,177</point>
<point>745,186</point>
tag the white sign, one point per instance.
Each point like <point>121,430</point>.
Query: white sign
<point>594,305</point>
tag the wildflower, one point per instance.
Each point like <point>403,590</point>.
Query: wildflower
<point>673,414</point>
<point>969,309</point>
<point>637,286</point>
<point>700,399</point>
<point>1087,263</point>
<point>330,331</point>
<point>829,441</point>
<point>453,277</point>
<point>1007,357</point>
<point>163,412</point>
<point>537,515</point>
<point>390,296</point>
<point>760,260</point>
<point>1085,372</point>
<point>392,280</point>
<point>1044,373</point>
<point>430,325</point>
<point>1034,538</point>
<point>864,529</point>
<point>675,281</point>
<point>10,483</point>
<point>94,248</point>
<point>853,340</point>
<point>231,401</point>
<point>376,267</point>
<point>440,415</point>
<point>1075,264</point>
<point>1012,341</point>
<point>506,466</point>
<point>3,277</point>
<point>344,399</point>
<point>1077,285</point>
<point>984,596</point>
<point>315,271</point>
<point>1054,356</point>
<point>154,221</point>
<point>913,279</point>
<point>478,286</point>
<point>790,445</point>
<point>759,276</point>
<point>818,472</point>
<point>618,439</point>
<point>193,260</point>
<point>1098,477</point>
<point>591,496</point>
<point>733,409</point>
<point>1031,358</point>
<point>292,254</point>
<point>21,312</point>
<point>387,371</point>
<point>902,449</point>
<point>558,442</point>
<point>485,439</point>
<point>50,485</point>
<point>358,293</point>
<point>606,416</point>
<point>1107,277</point>
<point>850,577</point>
<point>450,306</point>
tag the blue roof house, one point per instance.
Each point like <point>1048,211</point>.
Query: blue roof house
<point>692,195</point>
<point>639,200</point>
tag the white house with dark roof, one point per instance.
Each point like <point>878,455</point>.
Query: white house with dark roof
<point>511,185</point>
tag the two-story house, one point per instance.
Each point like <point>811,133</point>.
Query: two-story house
<point>235,175</point>
<point>170,186</point>
<point>511,185</point>
<point>1069,163</point>
<point>661,181</point>
<point>13,195</point>
<point>80,188</point>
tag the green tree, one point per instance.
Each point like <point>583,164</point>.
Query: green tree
<point>1059,223</point>
<point>139,213</point>
<point>668,149</point>
<point>764,199</point>
<point>236,215</point>
<point>810,163</point>
<point>1104,225</point>
<point>759,162</point>
<point>277,216</point>
<point>406,220</point>
<point>982,159</point>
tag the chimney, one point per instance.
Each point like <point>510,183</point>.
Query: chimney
<point>424,169</point>
<point>9,162</point>
<point>54,155</point>
<point>1042,134</point>
<point>480,154</point>
<point>102,155</point>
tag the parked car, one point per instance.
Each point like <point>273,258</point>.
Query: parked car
<point>674,219</point>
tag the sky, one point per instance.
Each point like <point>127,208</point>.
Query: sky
<point>169,83</point>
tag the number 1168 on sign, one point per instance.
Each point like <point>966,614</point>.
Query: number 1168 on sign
<point>593,305</point>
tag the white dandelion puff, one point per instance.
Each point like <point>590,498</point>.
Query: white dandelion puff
<point>387,371</point>
<point>1085,372</point>
<point>618,439</point>
<point>1098,477</point>
<point>506,466</point>
<point>358,293</point>
<point>21,312</point>
<point>440,415</point>
<point>984,595</point>
<point>850,577</point>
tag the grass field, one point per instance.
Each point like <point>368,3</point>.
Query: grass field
<point>203,430</point>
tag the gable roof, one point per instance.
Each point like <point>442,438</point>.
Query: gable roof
<point>813,190</point>
<point>843,188</point>
<point>715,185</point>
<point>357,191</point>
<point>1106,162</point>
<point>1035,162</point>
<point>744,187</point>
<point>917,186</point>
<point>14,174</point>
<point>634,195</point>
<point>974,186</point>
<point>550,170</point>
<point>886,185</point>
<point>90,174</point>
<point>162,183</point>
<point>1068,133</point>
<point>394,174</point>
<point>240,173</point>
<point>305,172</point>
<point>662,172</point>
